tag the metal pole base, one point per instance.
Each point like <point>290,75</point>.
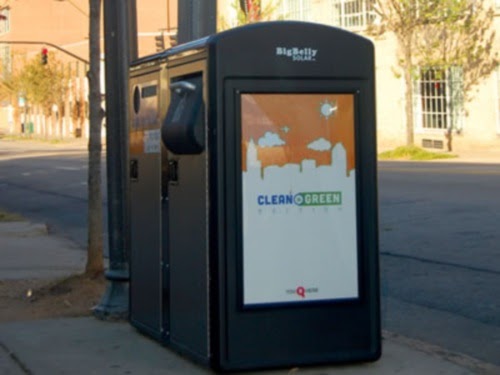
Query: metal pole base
<point>114,304</point>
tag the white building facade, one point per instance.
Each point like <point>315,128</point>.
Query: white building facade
<point>438,98</point>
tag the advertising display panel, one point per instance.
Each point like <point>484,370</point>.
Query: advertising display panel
<point>298,198</point>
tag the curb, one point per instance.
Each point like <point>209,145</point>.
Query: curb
<point>459,359</point>
<point>22,229</point>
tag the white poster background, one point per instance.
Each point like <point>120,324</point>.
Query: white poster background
<point>294,253</point>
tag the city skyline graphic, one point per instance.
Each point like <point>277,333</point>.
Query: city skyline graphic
<point>292,128</point>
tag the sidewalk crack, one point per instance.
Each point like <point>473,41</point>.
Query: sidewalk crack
<point>16,359</point>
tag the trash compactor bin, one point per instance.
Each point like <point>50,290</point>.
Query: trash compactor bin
<point>253,197</point>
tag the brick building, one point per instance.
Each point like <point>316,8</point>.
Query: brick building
<point>64,23</point>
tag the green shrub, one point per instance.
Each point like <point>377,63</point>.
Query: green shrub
<point>413,153</point>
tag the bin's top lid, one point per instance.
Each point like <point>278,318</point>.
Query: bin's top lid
<point>271,29</point>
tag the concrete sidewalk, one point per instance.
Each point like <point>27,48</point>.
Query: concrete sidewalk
<point>27,251</point>
<point>479,156</point>
<point>89,346</point>
<point>29,148</point>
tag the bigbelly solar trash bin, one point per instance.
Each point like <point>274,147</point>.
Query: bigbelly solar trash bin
<point>254,197</point>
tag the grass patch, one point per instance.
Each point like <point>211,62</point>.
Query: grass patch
<point>31,137</point>
<point>413,153</point>
<point>13,137</point>
<point>9,216</point>
<point>23,138</point>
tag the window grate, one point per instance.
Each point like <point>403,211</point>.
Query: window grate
<point>300,10</point>
<point>4,21</point>
<point>438,98</point>
<point>432,143</point>
<point>352,14</point>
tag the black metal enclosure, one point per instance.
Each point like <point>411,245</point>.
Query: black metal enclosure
<point>254,234</point>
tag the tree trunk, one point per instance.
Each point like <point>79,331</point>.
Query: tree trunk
<point>67,117</point>
<point>53,123</point>
<point>406,45</point>
<point>81,94</point>
<point>95,264</point>
<point>449,139</point>
<point>17,118</point>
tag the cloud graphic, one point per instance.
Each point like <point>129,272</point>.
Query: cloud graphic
<point>320,144</point>
<point>271,140</point>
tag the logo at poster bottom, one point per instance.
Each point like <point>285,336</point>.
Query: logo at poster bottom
<point>302,291</point>
<point>321,198</point>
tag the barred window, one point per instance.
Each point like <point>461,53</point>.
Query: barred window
<point>5,61</point>
<point>438,99</point>
<point>300,10</point>
<point>4,21</point>
<point>352,14</point>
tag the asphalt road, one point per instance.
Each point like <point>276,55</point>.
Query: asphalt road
<point>439,242</point>
<point>440,254</point>
<point>49,187</point>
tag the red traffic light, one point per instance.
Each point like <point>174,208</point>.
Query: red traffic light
<point>45,55</point>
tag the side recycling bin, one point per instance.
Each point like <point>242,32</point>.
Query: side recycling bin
<point>253,194</point>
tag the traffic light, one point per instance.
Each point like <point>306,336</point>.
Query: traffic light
<point>160,42</point>
<point>173,39</point>
<point>45,56</point>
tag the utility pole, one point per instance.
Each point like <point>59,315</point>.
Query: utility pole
<point>120,45</point>
<point>197,18</point>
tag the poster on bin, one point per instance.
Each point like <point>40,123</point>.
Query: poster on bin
<point>298,198</point>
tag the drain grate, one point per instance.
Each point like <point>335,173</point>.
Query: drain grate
<point>432,143</point>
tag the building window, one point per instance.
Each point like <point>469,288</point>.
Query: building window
<point>438,99</point>
<point>4,21</point>
<point>300,10</point>
<point>352,14</point>
<point>5,61</point>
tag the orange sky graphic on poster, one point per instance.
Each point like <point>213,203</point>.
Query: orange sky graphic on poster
<point>294,122</point>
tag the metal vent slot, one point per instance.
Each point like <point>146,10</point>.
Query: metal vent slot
<point>433,143</point>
